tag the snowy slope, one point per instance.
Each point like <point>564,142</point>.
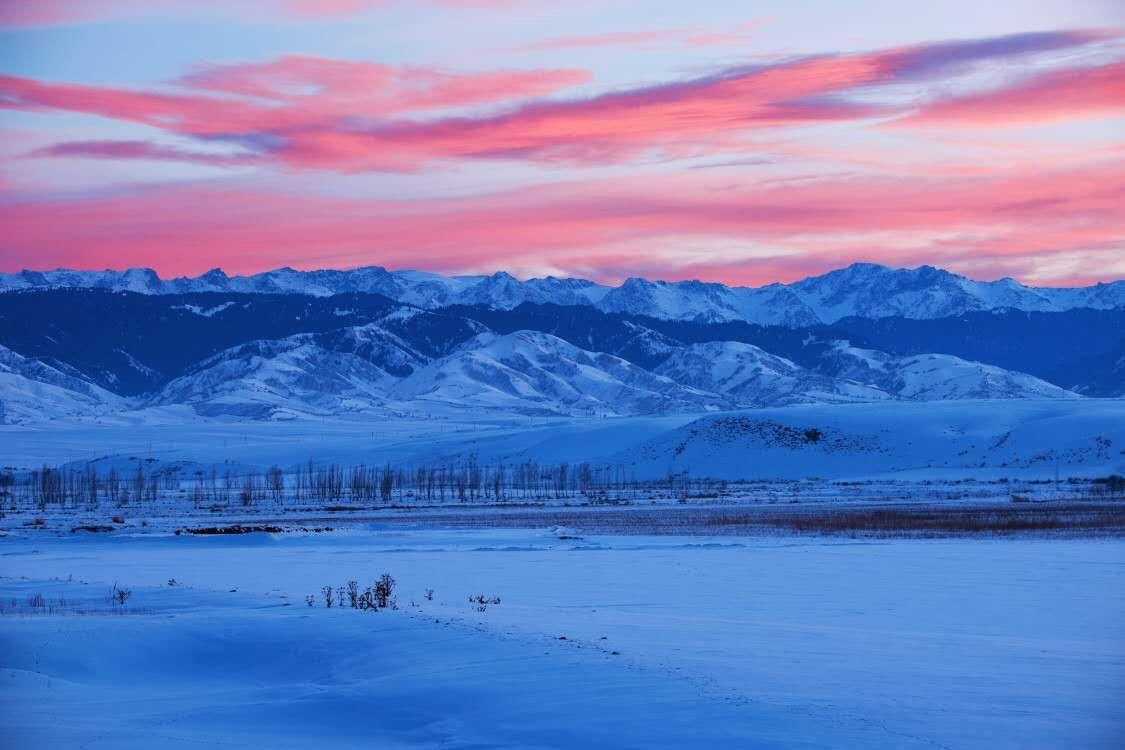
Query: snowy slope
<point>908,439</point>
<point>32,391</point>
<point>935,377</point>
<point>346,370</point>
<point>643,345</point>
<point>716,646</point>
<point>775,304</point>
<point>686,300</point>
<point>872,291</point>
<point>753,377</point>
<point>534,372</point>
<point>862,290</point>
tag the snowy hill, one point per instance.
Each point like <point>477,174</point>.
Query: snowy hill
<point>935,377</point>
<point>368,368</point>
<point>31,391</point>
<point>532,372</point>
<point>862,290</point>
<point>275,379</point>
<point>920,440</point>
<point>260,355</point>
<point>364,368</point>
<point>336,371</point>
<point>752,377</point>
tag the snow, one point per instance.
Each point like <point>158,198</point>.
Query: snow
<point>30,389</point>
<point>1028,438</point>
<point>773,642</point>
<point>936,377</point>
<point>915,440</point>
<point>533,372</point>
<point>408,361</point>
<point>290,376</point>
<point>862,289</point>
<point>602,636</point>
<point>212,311</point>
<point>753,377</point>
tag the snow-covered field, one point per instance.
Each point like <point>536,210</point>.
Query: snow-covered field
<point>1029,438</point>
<point>669,641</point>
<point>663,619</point>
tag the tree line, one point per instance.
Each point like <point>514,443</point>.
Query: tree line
<point>328,484</point>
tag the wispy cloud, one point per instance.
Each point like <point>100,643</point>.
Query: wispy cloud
<point>304,112</point>
<point>141,150</point>
<point>644,38</point>
<point>32,13</point>
<point>1072,93</point>
<point>698,225</point>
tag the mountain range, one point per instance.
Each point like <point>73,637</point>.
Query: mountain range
<point>863,290</point>
<point>88,351</point>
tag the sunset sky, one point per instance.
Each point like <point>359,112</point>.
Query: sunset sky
<point>741,142</point>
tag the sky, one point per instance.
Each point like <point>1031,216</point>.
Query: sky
<point>740,142</point>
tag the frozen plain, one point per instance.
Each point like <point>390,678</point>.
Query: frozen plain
<point>949,439</point>
<point>768,641</point>
<point>730,641</point>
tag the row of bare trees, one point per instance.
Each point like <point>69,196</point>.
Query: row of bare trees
<point>327,484</point>
<point>50,486</point>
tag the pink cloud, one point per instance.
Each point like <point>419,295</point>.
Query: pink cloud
<point>1069,94</point>
<point>319,129</point>
<point>25,13</point>
<point>610,39</point>
<point>60,12</point>
<point>337,88</point>
<point>141,150</point>
<point>685,226</point>
<point>694,36</point>
<point>304,112</point>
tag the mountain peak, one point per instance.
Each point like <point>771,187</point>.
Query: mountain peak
<point>862,289</point>
<point>859,268</point>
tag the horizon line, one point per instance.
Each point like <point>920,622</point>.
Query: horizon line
<point>524,279</point>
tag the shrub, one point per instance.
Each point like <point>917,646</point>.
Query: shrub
<point>481,602</point>
<point>367,599</point>
<point>353,594</point>
<point>384,589</point>
<point>119,596</point>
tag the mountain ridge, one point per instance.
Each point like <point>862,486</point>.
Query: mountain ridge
<point>865,290</point>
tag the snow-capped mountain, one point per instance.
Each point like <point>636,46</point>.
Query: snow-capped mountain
<point>935,377</point>
<point>344,370</point>
<point>752,377</point>
<point>862,290</point>
<point>775,304</point>
<point>867,290</point>
<point>32,391</point>
<point>503,291</point>
<point>367,368</point>
<point>532,372</point>
<point>641,345</point>
<point>86,352</point>
<point>350,368</point>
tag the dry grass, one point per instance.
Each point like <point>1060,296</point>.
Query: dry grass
<point>1062,518</point>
